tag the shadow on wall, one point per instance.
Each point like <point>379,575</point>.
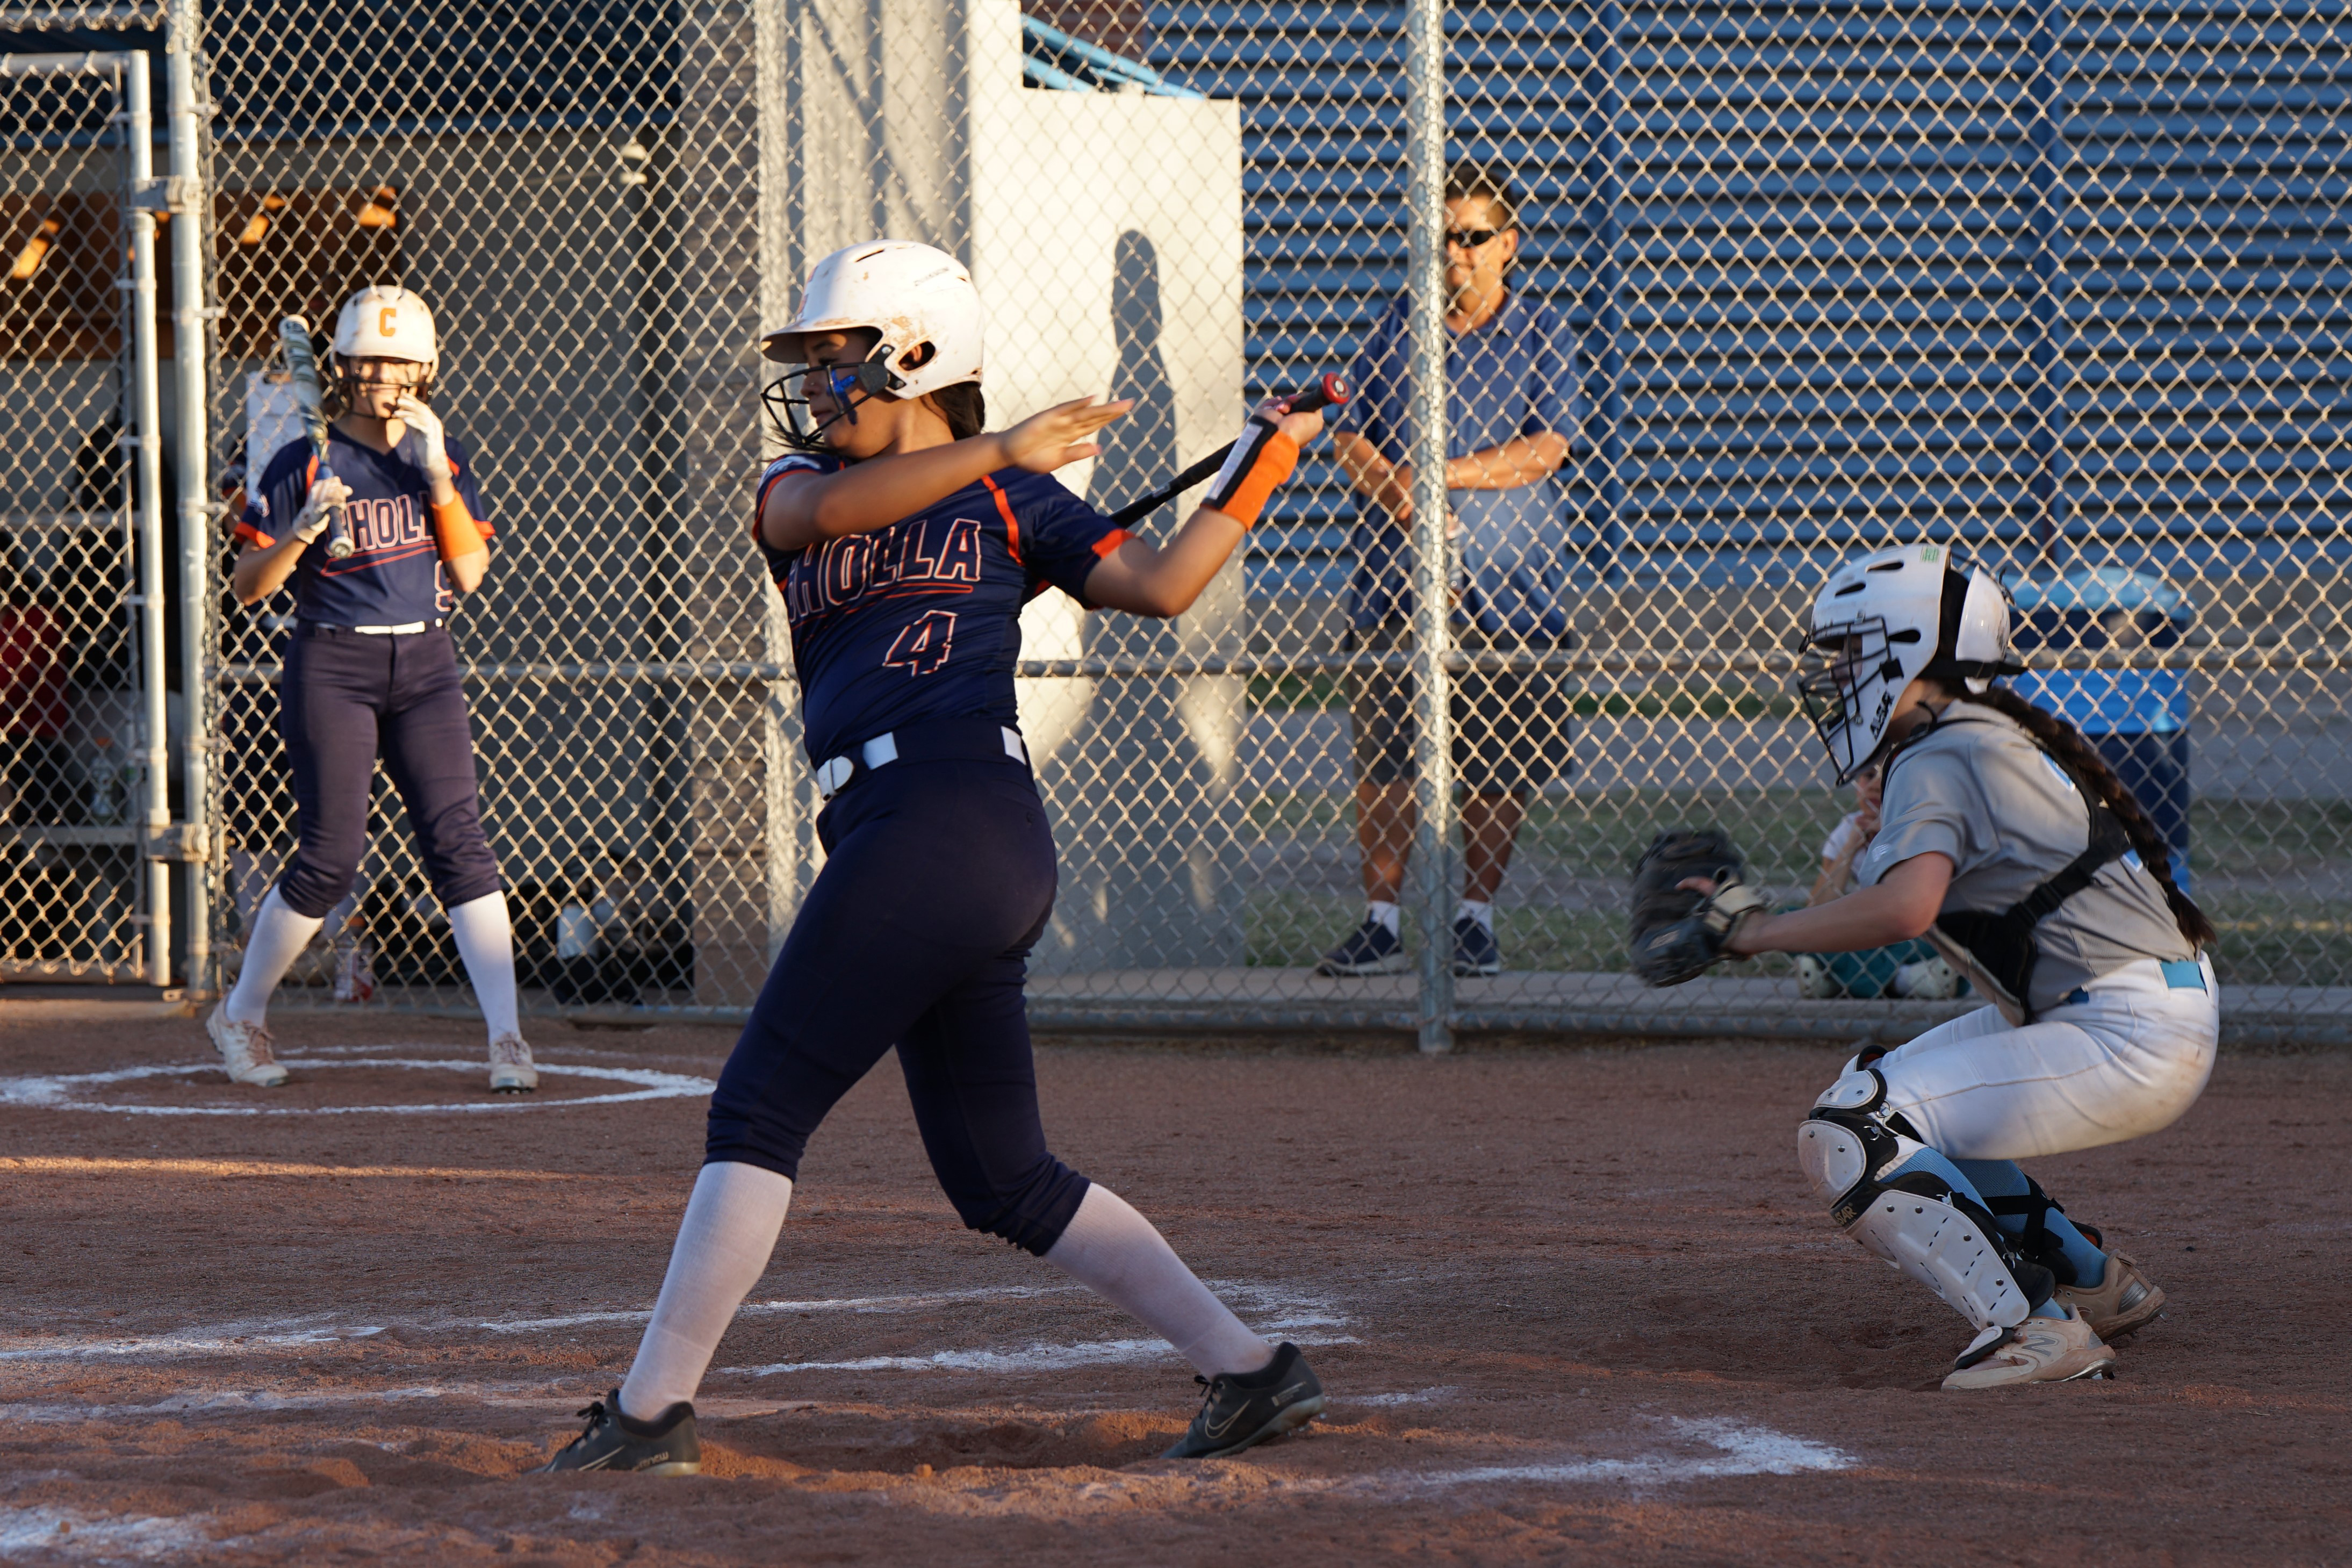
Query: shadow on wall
<point>1139,451</point>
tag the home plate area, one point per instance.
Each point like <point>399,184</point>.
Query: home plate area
<point>1569,1306</point>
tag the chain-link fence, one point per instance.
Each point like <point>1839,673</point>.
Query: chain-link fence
<point>1722,294</point>
<point>82,685</point>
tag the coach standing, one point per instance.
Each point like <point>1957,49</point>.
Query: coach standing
<point>1509,409</point>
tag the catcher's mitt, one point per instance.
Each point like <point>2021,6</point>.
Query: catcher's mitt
<point>1677,931</point>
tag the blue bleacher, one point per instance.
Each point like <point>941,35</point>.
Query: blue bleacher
<point>1848,272</point>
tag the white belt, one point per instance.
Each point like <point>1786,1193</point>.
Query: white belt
<point>833,774</point>
<point>406,628</point>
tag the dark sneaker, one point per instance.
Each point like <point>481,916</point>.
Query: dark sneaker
<point>1474,950</point>
<point>1246,1409</point>
<point>667,1446</point>
<point>1372,950</point>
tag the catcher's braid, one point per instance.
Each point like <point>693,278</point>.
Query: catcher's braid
<point>1677,931</point>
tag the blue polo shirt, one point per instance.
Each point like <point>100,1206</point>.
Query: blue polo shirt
<point>1514,376</point>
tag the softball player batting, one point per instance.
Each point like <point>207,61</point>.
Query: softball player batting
<point>2009,845</point>
<point>371,671</point>
<point>905,542</point>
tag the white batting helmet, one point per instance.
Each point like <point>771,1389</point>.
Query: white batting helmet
<point>1886,620</point>
<point>920,298</point>
<point>386,322</point>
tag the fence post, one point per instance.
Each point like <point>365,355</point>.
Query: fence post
<point>147,510</point>
<point>1431,584</point>
<point>191,358</point>
<point>2046,329</point>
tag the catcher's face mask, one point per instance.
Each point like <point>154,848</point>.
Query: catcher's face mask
<point>1850,677</point>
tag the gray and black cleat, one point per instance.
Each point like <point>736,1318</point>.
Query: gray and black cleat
<point>1244,1409</point>
<point>612,1441</point>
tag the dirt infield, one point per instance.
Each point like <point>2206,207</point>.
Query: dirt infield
<point>1571,1306</point>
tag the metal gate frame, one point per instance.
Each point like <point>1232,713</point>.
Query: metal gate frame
<point>159,842</point>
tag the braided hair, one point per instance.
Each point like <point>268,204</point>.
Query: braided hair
<point>2082,759</point>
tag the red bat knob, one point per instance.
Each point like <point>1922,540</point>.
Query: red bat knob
<point>1324,394</point>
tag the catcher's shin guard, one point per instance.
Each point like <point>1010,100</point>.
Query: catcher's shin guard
<point>1865,1164</point>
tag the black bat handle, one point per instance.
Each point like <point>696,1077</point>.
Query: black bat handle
<point>1329,392</point>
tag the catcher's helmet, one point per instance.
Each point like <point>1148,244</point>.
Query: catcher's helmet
<point>921,302</point>
<point>384,320</point>
<point>1890,618</point>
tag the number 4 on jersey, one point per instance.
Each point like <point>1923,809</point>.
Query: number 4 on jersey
<point>924,645</point>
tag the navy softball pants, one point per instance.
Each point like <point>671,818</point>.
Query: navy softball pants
<point>938,881</point>
<point>345,699</point>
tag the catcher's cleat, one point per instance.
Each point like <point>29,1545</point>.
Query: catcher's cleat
<point>245,1050</point>
<point>665,1446</point>
<point>1373,948</point>
<point>1246,1408</point>
<point>2124,1298</point>
<point>510,1068</point>
<point>2039,1349</point>
<point>1475,950</point>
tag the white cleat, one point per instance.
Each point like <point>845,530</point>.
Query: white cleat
<point>2039,1349</point>
<point>510,1068</point>
<point>245,1050</point>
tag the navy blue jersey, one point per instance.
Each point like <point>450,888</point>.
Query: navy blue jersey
<point>922,619</point>
<point>393,575</point>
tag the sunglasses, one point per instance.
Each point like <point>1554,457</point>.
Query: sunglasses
<point>1471,239</point>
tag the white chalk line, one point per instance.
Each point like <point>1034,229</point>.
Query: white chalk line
<point>1741,1449</point>
<point>58,1092</point>
<point>1735,1447</point>
<point>65,1532</point>
<point>1419,1396</point>
<point>250,1336</point>
<point>1281,1311</point>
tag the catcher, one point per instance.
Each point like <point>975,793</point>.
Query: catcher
<point>2009,845</point>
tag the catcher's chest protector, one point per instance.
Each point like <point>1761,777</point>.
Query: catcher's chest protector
<point>1996,951</point>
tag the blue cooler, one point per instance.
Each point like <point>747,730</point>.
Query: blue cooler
<point>2138,719</point>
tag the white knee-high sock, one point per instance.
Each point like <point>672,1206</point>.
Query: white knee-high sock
<point>485,942</point>
<point>722,1249</point>
<point>277,939</point>
<point>1114,1252</point>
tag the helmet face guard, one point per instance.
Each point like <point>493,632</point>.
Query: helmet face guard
<point>348,383</point>
<point>1849,677</point>
<point>798,426</point>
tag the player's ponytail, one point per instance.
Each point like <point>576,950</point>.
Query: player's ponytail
<point>962,406</point>
<point>2066,743</point>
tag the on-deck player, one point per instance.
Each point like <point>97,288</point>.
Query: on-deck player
<point>905,542</point>
<point>2009,845</point>
<point>371,670</point>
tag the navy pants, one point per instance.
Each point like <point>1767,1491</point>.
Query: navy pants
<point>938,881</point>
<point>348,698</point>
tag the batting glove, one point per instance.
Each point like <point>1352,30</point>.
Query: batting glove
<point>424,444</point>
<point>319,506</point>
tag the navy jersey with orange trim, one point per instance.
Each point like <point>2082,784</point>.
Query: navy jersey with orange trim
<point>393,575</point>
<point>922,619</point>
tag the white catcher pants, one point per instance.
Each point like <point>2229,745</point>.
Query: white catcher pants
<point>2129,1059</point>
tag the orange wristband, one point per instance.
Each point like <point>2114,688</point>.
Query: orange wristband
<point>1261,461</point>
<point>454,527</point>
